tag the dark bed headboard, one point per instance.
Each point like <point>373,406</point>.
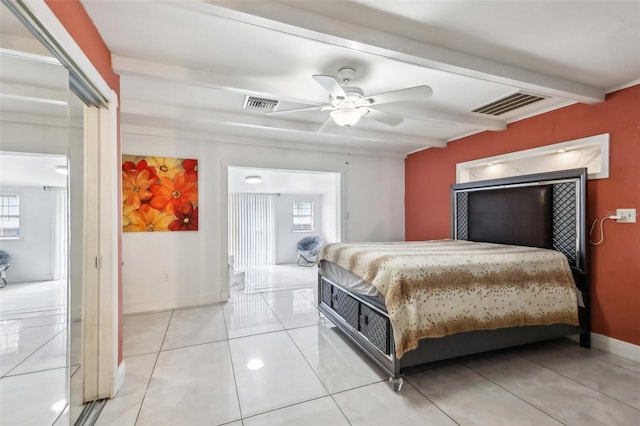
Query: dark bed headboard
<point>545,210</point>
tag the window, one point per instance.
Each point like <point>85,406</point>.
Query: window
<point>9,216</point>
<point>303,215</point>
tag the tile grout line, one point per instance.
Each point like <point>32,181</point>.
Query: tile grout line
<point>606,361</point>
<point>39,371</point>
<point>569,349</point>
<point>273,312</point>
<point>531,404</point>
<point>278,318</point>
<point>154,367</point>
<point>287,406</point>
<point>286,330</point>
<point>319,379</point>
<point>33,352</point>
<point>307,361</point>
<point>233,370</point>
<point>431,401</point>
<point>575,381</point>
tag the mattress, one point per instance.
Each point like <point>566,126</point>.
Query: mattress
<point>437,288</point>
<point>348,279</point>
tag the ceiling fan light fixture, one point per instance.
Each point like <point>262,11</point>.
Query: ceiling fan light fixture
<point>347,117</point>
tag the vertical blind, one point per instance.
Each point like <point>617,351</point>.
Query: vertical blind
<point>60,236</point>
<point>252,226</point>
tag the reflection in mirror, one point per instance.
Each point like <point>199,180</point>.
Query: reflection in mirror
<point>41,138</point>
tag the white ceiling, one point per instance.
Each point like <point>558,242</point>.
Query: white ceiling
<point>186,66</point>
<point>31,170</point>
<point>282,181</point>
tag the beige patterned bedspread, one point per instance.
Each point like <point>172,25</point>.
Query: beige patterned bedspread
<point>441,287</point>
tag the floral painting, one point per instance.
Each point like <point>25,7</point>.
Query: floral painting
<point>159,194</point>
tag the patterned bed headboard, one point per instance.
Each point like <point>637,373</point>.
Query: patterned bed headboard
<point>564,225</point>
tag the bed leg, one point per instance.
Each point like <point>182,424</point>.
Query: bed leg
<point>397,383</point>
<point>585,340</point>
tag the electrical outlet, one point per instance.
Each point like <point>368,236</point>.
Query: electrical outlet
<point>165,276</point>
<point>626,215</point>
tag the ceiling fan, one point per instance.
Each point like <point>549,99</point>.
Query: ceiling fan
<point>348,103</point>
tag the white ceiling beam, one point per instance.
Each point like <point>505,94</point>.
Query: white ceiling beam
<point>257,86</point>
<point>447,117</point>
<point>154,130</point>
<point>270,88</point>
<point>41,120</point>
<point>271,125</point>
<point>34,94</point>
<point>279,16</point>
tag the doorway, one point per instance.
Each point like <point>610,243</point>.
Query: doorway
<point>270,211</point>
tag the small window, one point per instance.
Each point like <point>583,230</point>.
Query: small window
<point>303,215</point>
<point>9,216</point>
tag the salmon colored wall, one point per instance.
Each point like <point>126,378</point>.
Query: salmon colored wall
<point>615,265</point>
<point>77,22</point>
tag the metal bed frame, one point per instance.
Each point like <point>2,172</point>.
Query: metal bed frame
<point>364,319</point>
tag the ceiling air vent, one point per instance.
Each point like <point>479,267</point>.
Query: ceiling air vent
<point>511,102</point>
<point>260,104</point>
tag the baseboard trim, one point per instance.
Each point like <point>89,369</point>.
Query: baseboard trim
<point>613,346</point>
<point>163,305</point>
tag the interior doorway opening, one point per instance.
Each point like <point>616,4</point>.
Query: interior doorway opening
<point>269,212</point>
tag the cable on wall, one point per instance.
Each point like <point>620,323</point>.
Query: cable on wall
<point>593,225</point>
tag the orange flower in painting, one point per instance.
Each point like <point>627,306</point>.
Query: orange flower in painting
<point>171,195</point>
<point>186,219</point>
<point>147,219</point>
<point>136,184</point>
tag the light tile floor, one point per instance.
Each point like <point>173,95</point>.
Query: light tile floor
<point>259,279</point>
<point>267,359</point>
<point>36,373</point>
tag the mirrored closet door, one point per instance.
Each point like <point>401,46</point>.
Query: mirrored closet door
<point>41,233</point>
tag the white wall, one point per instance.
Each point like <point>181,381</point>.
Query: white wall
<point>31,253</point>
<point>330,213</point>
<point>373,200</point>
<point>286,238</point>
<point>59,139</point>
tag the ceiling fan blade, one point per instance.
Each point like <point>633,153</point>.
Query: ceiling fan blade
<point>331,85</point>
<point>383,117</point>
<point>326,125</point>
<point>287,111</point>
<point>397,96</point>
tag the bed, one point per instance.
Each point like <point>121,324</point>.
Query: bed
<point>515,271</point>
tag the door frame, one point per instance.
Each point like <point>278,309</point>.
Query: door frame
<point>225,164</point>
<point>100,261</point>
